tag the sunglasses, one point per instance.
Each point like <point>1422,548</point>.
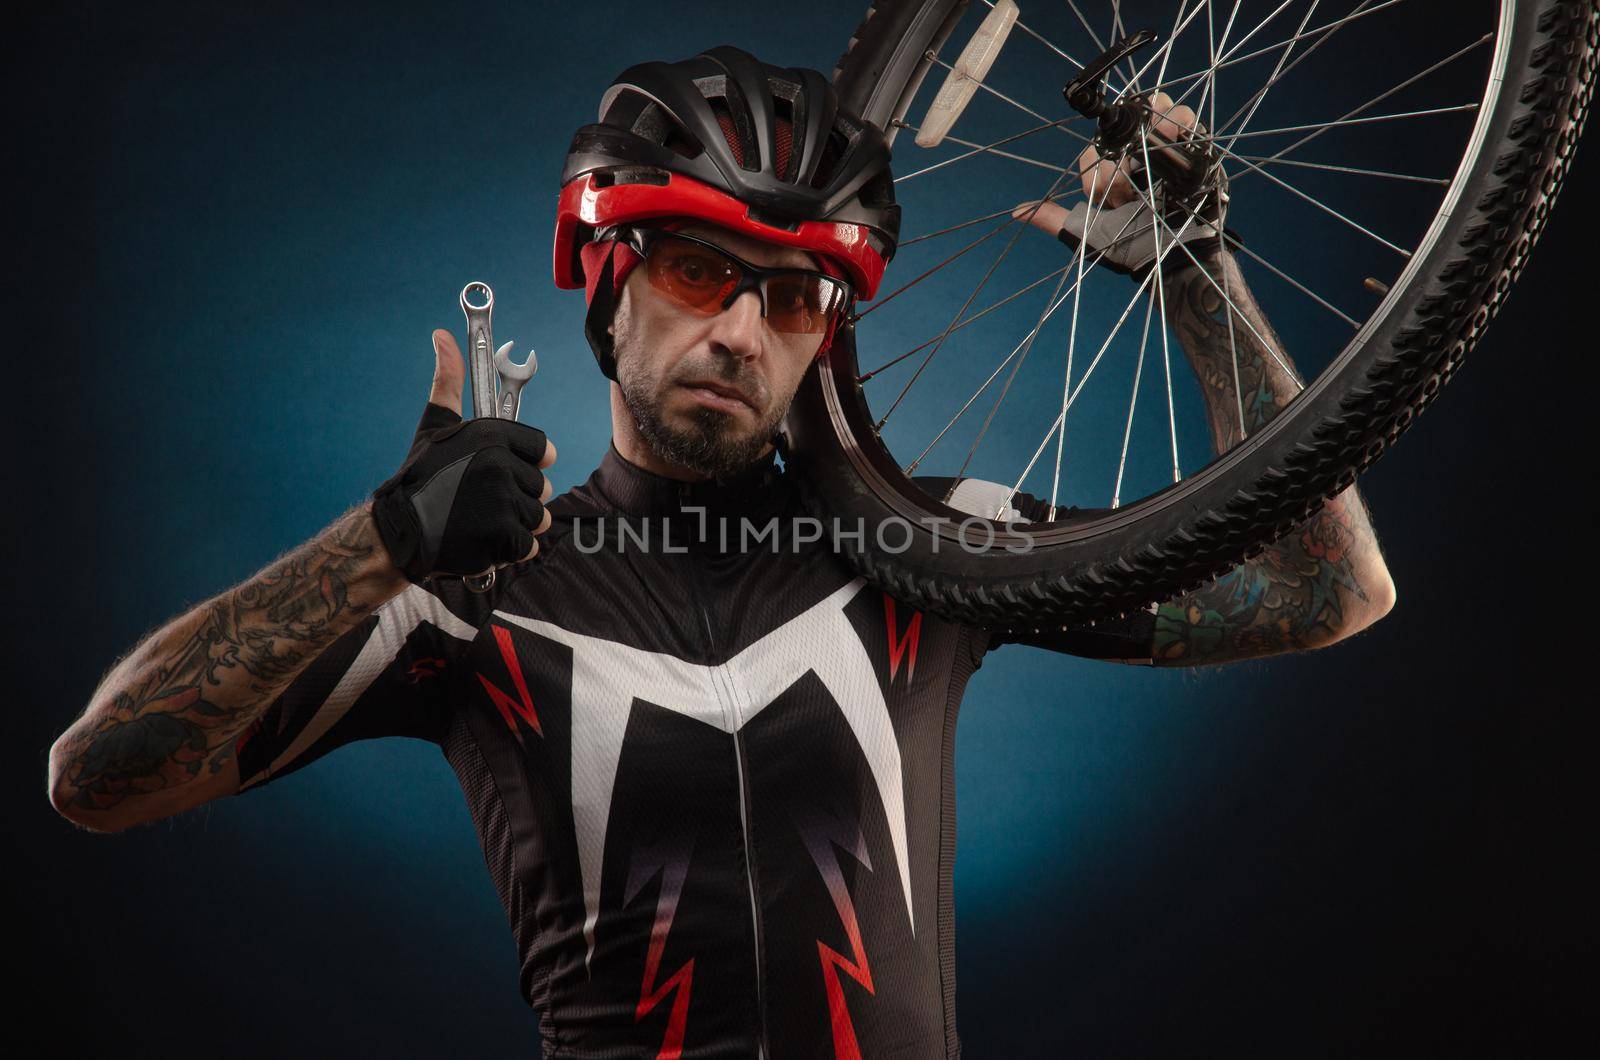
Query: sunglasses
<point>705,279</point>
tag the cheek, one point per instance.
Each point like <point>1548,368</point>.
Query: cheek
<point>795,365</point>
<point>657,335</point>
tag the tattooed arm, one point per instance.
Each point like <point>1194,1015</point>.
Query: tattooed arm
<point>158,734</point>
<point>1324,581</point>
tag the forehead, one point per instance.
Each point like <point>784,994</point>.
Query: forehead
<point>755,251</point>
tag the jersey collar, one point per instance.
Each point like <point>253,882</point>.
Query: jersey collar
<point>632,490</point>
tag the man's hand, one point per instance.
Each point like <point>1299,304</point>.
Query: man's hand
<point>1122,232</point>
<point>470,496</point>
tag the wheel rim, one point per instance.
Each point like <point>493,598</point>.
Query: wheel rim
<point>854,414</point>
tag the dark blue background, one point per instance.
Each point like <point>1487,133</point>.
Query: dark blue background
<point>235,231</point>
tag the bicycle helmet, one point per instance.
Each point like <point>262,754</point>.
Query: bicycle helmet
<point>728,139</point>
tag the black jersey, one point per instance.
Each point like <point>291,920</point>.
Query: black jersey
<point>711,770</point>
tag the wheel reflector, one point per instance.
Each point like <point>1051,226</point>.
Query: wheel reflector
<point>969,70</point>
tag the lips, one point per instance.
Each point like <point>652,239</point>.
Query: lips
<point>722,390</point>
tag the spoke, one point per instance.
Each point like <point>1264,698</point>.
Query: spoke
<point>1324,207</point>
<point>1166,48</point>
<point>1052,274</point>
<point>1133,401</point>
<point>1273,160</point>
<point>1016,158</point>
<point>1115,240</point>
<point>1259,26</point>
<point>1313,200</point>
<point>1291,281</point>
<point>1090,215</point>
<point>1278,71</point>
<point>1025,348</point>
<point>1229,60</point>
<point>1233,349</point>
<point>1056,301</point>
<point>1269,347</point>
<point>1098,43</point>
<point>970,401</point>
<point>1172,41</point>
<point>1325,125</point>
<point>964,306</point>
<point>1205,79</point>
<point>1281,69</point>
<point>1233,345</point>
<point>954,228</point>
<point>977,149</point>
<point>1118,31</point>
<point>1350,117</point>
<point>1060,420</point>
<point>886,299</point>
<point>1166,359</point>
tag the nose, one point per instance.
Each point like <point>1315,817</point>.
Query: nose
<point>738,328</point>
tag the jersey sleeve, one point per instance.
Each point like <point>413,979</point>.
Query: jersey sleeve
<point>393,675</point>
<point>1127,639</point>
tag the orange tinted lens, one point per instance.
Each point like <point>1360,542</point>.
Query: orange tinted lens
<point>693,276</point>
<point>799,304</point>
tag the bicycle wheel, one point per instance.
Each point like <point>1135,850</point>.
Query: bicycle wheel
<point>1400,297</point>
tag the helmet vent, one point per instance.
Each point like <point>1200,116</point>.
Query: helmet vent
<point>649,120</point>
<point>879,191</point>
<point>605,178</point>
<point>741,140</point>
<point>833,149</point>
<point>784,161</point>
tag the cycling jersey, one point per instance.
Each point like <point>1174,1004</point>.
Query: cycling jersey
<point>712,779</point>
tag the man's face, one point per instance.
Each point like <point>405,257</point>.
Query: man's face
<point>708,392</point>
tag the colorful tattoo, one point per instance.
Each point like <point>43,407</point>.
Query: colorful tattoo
<point>1303,592</point>
<point>1320,582</point>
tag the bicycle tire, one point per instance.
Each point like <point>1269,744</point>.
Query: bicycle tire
<point>1178,539</point>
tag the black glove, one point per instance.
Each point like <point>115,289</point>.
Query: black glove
<point>467,497</point>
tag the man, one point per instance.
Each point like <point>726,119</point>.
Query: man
<point>712,780</point>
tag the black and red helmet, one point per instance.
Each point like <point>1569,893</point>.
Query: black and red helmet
<point>727,139</point>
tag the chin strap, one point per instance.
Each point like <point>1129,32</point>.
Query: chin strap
<point>606,264</point>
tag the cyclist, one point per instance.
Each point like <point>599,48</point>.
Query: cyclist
<point>712,777</point>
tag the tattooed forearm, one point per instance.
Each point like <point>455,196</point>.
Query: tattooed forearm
<point>1326,579</point>
<point>167,715</point>
<point>1319,584</point>
<point>1245,375</point>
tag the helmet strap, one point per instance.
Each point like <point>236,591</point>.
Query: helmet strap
<point>602,308</point>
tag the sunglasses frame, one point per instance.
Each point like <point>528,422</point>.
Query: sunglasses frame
<point>752,277</point>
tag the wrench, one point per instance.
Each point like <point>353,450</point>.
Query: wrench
<point>484,368</point>
<point>479,342</point>
<point>512,377</point>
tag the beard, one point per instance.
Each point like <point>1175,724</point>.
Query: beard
<point>707,441</point>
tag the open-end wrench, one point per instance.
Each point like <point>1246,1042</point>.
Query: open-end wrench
<point>480,341</point>
<point>512,376</point>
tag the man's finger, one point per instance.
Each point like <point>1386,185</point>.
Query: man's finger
<point>1048,218</point>
<point>1174,122</point>
<point>1105,181</point>
<point>449,372</point>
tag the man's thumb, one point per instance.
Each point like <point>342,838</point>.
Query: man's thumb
<point>449,372</point>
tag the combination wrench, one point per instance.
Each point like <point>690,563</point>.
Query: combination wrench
<point>497,380</point>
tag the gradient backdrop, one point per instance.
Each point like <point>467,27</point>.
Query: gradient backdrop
<point>237,226</point>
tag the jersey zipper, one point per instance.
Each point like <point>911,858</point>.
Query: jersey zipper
<point>730,707</point>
